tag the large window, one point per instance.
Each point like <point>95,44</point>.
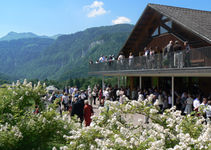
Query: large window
<point>165,23</point>
<point>163,30</point>
<point>155,32</point>
<point>164,17</point>
<point>169,24</point>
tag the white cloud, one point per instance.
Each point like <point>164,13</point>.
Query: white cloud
<point>95,9</point>
<point>121,20</point>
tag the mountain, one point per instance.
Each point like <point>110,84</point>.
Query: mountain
<point>17,54</point>
<point>15,36</point>
<point>55,36</point>
<point>65,57</point>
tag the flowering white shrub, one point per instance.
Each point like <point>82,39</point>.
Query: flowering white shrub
<point>20,128</point>
<point>169,130</point>
<point>9,135</point>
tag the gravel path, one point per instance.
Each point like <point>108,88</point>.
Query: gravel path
<point>132,118</point>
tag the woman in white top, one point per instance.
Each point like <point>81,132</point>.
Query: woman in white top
<point>189,104</point>
<point>131,58</point>
<point>169,101</point>
<point>120,58</point>
<point>160,101</point>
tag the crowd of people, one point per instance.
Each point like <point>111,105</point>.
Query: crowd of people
<point>103,59</point>
<point>172,55</point>
<point>75,102</point>
<point>80,102</point>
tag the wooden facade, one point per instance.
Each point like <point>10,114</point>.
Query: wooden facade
<point>155,28</point>
<point>151,19</point>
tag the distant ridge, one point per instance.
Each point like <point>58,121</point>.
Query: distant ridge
<point>25,35</point>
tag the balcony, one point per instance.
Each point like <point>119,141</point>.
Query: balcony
<point>196,62</point>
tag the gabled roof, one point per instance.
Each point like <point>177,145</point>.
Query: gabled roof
<point>197,21</point>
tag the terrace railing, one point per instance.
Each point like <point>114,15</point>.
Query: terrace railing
<point>198,57</point>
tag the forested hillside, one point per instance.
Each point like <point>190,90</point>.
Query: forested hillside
<point>63,58</point>
<point>4,78</point>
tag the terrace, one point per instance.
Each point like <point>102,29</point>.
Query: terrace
<point>198,63</point>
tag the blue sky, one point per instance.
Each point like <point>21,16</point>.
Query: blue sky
<point>50,17</point>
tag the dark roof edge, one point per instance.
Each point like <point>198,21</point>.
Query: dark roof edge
<point>180,23</point>
<point>151,5</point>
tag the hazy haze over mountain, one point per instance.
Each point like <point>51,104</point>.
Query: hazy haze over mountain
<point>16,36</point>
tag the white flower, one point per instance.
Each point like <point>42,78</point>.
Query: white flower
<point>29,85</point>
<point>14,93</point>
<point>64,148</point>
<point>44,120</point>
<point>18,83</point>
<point>156,102</point>
<point>38,84</point>
<point>153,111</point>
<point>24,82</point>
<point>128,107</point>
<point>27,93</point>
<point>44,85</point>
<point>54,148</point>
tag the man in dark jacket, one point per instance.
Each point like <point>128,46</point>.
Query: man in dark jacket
<point>77,108</point>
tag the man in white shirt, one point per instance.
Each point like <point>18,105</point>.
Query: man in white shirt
<point>107,94</point>
<point>208,111</point>
<point>196,103</point>
<point>65,100</point>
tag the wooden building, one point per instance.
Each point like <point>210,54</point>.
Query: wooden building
<point>155,28</point>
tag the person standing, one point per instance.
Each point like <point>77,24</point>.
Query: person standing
<point>208,111</point>
<point>146,57</point>
<point>189,103</point>
<point>178,57</point>
<point>90,97</point>
<point>94,94</point>
<point>88,112</point>
<point>151,58</point>
<point>131,59</point>
<point>121,57</point>
<point>78,108</point>
<point>187,54</point>
<point>170,54</point>
<point>169,101</point>
<point>65,100</point>
<point>196,103</point>
<point>36,111</point>
<point>66,90</point>
<point>203,106</point>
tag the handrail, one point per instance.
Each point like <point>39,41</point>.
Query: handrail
<point>196,57</point>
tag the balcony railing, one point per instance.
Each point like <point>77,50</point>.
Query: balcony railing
<point>198,57</point>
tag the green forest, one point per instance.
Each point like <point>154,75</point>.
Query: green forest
<point>61,60</point>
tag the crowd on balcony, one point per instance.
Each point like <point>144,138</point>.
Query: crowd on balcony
<point>103,59</point>
<point>172,55</point>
